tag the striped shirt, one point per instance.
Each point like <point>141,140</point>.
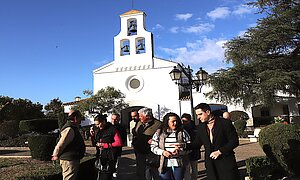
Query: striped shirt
<point>169,145</point>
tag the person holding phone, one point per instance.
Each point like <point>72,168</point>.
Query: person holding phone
<point>168,142</point>
<point>106,137</point>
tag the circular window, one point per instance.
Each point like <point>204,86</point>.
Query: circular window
<point>135,83</point>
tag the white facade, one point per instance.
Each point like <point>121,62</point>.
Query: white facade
<point>145,79</point>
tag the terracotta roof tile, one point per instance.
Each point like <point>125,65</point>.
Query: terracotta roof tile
<point>131,12</point>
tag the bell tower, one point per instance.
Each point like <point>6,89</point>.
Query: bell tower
<point>133,46</point>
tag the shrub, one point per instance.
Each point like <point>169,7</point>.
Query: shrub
<point>15,142</point>
<point>240,126</point>
<point>41,146</point>
<point>259,167</point>
<point>238,115</point>
<point>38,125</point>
<point>281,143</point>
<point>9,129</point>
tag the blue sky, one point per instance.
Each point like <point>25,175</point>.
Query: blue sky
<point>49,48</point>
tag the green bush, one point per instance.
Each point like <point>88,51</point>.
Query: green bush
<point>9,129</point>
<point>238,115</point>
<point>15,142</point>
<point>240,126</point>
<point>281,143</point>
<point>38,125</point>
<point>42,146</point>
<point>259,167</point>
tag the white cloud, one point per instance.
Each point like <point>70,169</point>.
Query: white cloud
<point>174,29</point>
<point>219,13</point>
<point>206,51</point>
<point>242,9</point>
<point>199,29</point>
<point>157,27</point>
<point>183,17</point>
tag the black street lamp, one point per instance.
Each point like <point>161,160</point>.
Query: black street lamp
<point>189,81</point>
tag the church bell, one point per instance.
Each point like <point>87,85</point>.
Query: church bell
<point>132,27</point>
<point>125,48</point>
<point>140,46</point>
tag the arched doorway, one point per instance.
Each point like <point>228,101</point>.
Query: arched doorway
<point>126,118</point>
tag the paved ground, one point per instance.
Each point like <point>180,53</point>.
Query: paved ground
<point>127,164</point>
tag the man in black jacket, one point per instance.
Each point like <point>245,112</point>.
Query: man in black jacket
<point>70,147</point>
<point>219,138</point>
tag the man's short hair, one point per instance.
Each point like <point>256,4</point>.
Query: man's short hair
<point>116,114</point>
<point>203,106</point>
<point>186,116</point>
<point>146,111</point>
<point>101,118</point>
<point>75,113</point>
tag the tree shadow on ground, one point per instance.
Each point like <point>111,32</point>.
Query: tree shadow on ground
<point>2,152</point>
<point>241,165</point>
<point>127,169</point>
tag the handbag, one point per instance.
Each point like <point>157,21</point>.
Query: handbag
<point>105,162</point>
<point>152,160</point>
<point>102,166</point>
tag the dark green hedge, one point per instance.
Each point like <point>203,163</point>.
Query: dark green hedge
<point>9,129</point>
<point>15,142</point>
<point>281,143</point>
<point>240,126</point>
<point>42,146</point>
<point>259,167</point>
<point>239,115</point>
<point>38,125</point>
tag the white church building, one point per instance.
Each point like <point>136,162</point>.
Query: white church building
<point>145,79</point>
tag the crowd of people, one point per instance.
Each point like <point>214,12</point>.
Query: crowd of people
<point>164,150</point>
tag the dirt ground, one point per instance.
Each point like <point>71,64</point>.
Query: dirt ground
<point>245,150</point>
<point>127,166</point>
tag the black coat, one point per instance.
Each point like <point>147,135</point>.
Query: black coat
<point>225,139</point>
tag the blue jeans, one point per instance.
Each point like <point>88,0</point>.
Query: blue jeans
<point>168,173</point>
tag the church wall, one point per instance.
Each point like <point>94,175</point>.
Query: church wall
<point>157,89</point>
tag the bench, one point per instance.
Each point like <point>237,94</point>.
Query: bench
<point>254,137</point>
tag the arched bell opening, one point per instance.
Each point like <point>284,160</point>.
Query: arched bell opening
<point>132,27</point>
<point>125,47</point>
<point>140,45</point>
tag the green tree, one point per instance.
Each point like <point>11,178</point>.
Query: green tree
<point>265,59</point>
<point>14,110</point>
<point>54,108</point>
<point>106,100</point>
<point>4,103</point>
<point>20,109</point>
